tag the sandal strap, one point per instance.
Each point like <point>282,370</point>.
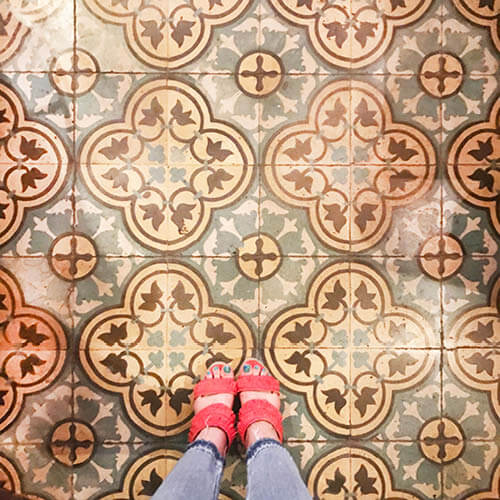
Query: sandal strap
<point>257,410</point>
<point>261,383</point>
<point>216,415</point>
<point>210,386</point>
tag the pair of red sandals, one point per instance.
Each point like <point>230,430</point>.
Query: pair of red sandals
<point>222,416</point>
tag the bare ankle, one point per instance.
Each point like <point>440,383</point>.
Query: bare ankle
<point>215,436</point>
<point>258,431</point>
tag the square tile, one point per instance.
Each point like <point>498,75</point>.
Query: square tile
<point>32,470</point>
<point>35,39</point>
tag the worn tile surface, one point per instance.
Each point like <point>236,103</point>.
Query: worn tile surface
<point>316,183</point>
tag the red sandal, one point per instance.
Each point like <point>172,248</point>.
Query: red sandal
<point>257,410</point>
<point>218,414</point>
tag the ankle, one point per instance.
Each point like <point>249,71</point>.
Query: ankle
<point>258,431</point>
<point>215,436</point>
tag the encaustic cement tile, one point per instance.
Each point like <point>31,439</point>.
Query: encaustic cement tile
<point>34,33</point>
<point>35,171</point>
<point>39,286</point>
<point>348,306</point>
<point>473,288</point>
<point>103,24</point>
<point>374,471</point>
<point>36,389</point>
<point>31,470</point>
<point>157,337</point>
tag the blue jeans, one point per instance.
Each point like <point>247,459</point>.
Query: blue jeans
<point>272,474</point>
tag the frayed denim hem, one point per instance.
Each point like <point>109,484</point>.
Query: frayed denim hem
<point>260,445</point>
<point>207,447</point>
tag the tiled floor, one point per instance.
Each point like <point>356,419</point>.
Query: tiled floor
<point>313,182</point>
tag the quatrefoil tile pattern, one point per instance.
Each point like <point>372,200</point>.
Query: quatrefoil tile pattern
<point>119,348</point>
<point>313,183</point>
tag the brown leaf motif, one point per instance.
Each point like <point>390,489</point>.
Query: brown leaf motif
<point>399,179</point>
<point>335,485</point>
<point>301,361</point>
<point>181,213</point>
<point>399,364</point>
<point>300,333</point>
<point>338,31</point>
<point>336,115</point>
<point>29,178</point>
<point>336,214</point>
<point>364,31</point>
<point>2,401</point>
<point>152,299</point>
<point>217,333</point>
<point>119,178</point>
<point>484,149</point>
<point>3,118</point>
<point>152,114</point>
<point>365,116</point>
<point>397,3</point>
<point>181,30</point>
<point>301,179</point>
<point>336,397</point>
<point>336,298</point>
<point>30,150</point>
<point>365,215</point>
<point>218,357</point>
<point>115,364</point>
<point>482,362</point>
<point>151,398</point>
<point>365,482</point>
<point>301,149</point>
<point>181,298</point>
<point>365,399</point>
<point>153,212</point>
<point>482,333</point>
<point>215,179</point>
<point>30,335</point>
<point>213,3</point>
<point>178,398</point>
<point>3,207</point>
<point>180,116</point>
<point>305,3</point>
<point>152,30</point>
<point>28,364</point>
<point>484,178</point>
<point>151,485</point>
<point>116,334</point>
<point>400,151</point>
<point>216,151</point>
<point>117,148</point>
<point>365,298</point>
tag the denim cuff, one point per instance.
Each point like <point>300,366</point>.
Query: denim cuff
<point>207,447</point>
<point>260,445</point>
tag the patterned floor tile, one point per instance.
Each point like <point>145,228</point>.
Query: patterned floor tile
<point>311,182</point>
<point>35,166</point>
<point>32,36</point>
<point>33,470</point>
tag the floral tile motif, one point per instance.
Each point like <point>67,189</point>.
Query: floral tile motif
<point>310,182</point>
<point>34,163</point>
<point>31,34</point>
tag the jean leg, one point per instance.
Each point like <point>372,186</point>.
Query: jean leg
<point>272,473</point>
<point>195,476</point>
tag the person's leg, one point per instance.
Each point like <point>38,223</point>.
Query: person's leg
<point>195,476</point>
<point>272,473</point>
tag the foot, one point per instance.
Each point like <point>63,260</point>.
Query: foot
<point>258,430</point>
<point>214,434</point>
